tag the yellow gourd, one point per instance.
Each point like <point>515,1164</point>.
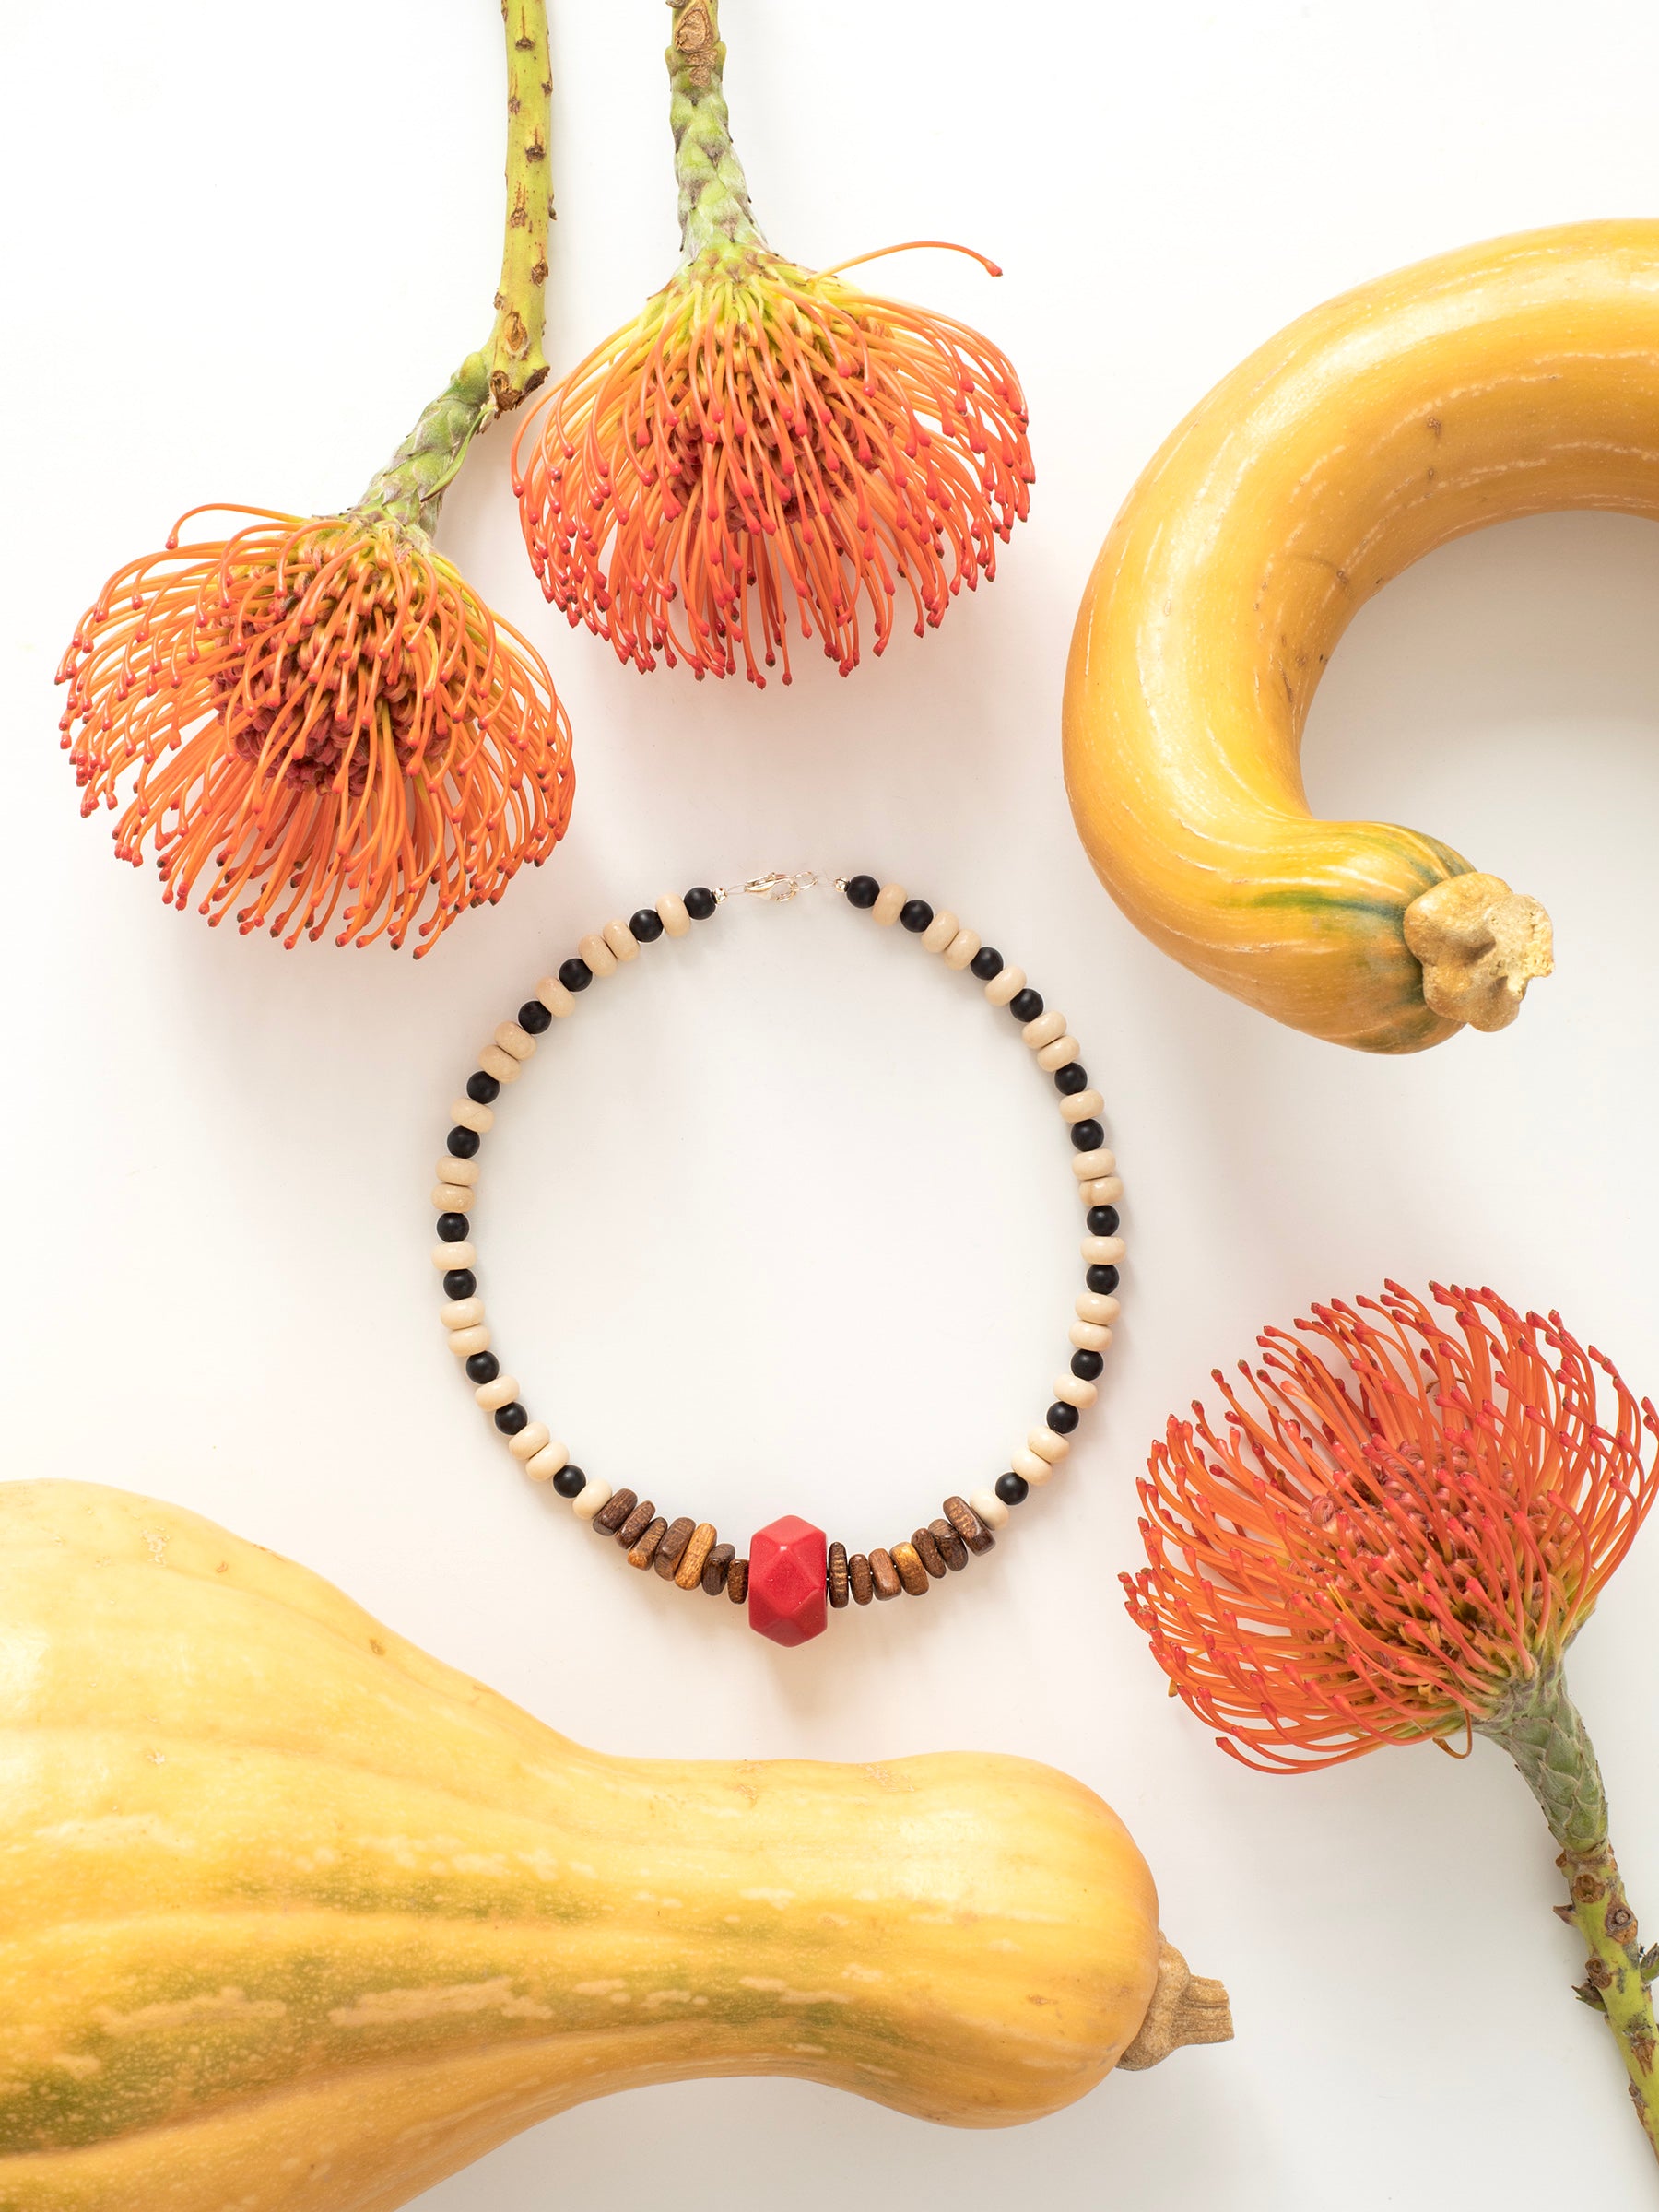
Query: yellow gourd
<point>1509,379</point>
<point>295,1919</point>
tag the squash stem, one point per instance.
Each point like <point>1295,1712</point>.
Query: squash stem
<point>510,363</point>
<point>1541,1729</point>
<point>714,210</point>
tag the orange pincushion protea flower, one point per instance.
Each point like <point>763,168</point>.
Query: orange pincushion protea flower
<point>1381,1548</point>
<point>321,719</point>
<point>762,434</point>
<point>321,723</point>
<point>1397,1538</point>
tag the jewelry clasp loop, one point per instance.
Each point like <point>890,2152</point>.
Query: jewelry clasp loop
<point>778,887</point>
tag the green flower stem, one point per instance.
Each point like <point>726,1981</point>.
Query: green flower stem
<point>517,363</point>
<point>1540,1728</point>
<point>492,381</point>
<point>714,210</point>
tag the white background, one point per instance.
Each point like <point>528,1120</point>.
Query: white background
<point>785,1221</point>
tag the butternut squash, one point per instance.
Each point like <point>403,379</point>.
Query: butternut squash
<point>295,1919</point>
<point>1507,379</point>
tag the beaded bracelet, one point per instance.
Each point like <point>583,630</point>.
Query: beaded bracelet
<point>792,1575</point>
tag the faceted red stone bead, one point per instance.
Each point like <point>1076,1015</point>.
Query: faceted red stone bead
<point>786,1587</point>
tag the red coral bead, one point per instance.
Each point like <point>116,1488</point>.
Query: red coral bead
<point>786,1586</point>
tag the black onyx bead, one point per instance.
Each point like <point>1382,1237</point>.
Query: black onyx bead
<point>1025,1005</point>
<point>646,925</point>
<point>575,976</point>
<point>1102,1221</point>
<point>482,1089</point>
<point>1087,1137</point>
<point>454,1229</point>
<point>1061,1417</point>
<point>862,891</point>
<point>1088,1366</point>
<point>1103,1279</point>
<point>986,963</point>
<point>483,1366</point>
<point>569,1482</point>
<point>916,916</point>
<point>1071,1078</point>
<point>533,1016</point>
<point>460,1282</point>
<point>1013,1490</point>
<point>463,1142</point>
<point>509,1418</point>
<point>700,902</point>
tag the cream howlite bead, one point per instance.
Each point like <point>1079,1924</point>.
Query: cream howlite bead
<point>529,1442</point>
<point>1071,1390</point>
<point>1007,986</point>
<point>1030,1467</point>
<point>513,1040</point>
<point>1102,1252</point>
<point>501,1391</point>
<point>990,1509</point>
<point>469,1115</point>
<point>500,1064</point>
<point>1044,1031</point>
<point>621,940</point>
<point>445,1256</point>
<point>1061,1054</point>
<point>597,954</point>
<point>940,932</point>
<point>1105,1190</point>
<point>547,1458</point>
<point>885,908</point>
<point>1087,1166</point>
<point>592,1498</point>
<point>451,1170</point>
<point>452,1197</point>
<point>1048,1446</point>
<point>1082,1106</point>
<point>961,948</point>
<point>554,998</point>
<point>1088,1336</point>
<point>464,1343</point>
<point>463,1313</point>
<point>671,912</point>
<point>1093,1305</point>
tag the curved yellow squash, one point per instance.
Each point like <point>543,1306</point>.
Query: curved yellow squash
<point>295,1919</point>
<point>1509,379</point>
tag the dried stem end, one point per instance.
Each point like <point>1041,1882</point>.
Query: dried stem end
<point>1185,2009</point>
<point>1480,945</point>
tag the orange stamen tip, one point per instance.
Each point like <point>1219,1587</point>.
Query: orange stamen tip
<point>762,437</point>
<point>322,714</point>
<point>1397,1522</point>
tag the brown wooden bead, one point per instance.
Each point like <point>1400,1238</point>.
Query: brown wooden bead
<point>609,1518</point>
<point>688,1574</point>
<point>636,1523</point>
<point>644,1552</point>
<point>927,1551</point>
<point>952,1549</point>
<point>667,1557</point>
<point>838,1575</point>
<point>714,1568</point>
<point>885,1574</point>
<point>912,1573</point>
<point>862,1580</point>
<point>968,1525</point>
<point>737,1581</point>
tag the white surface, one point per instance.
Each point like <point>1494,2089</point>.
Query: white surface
<point>789,1223</point>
